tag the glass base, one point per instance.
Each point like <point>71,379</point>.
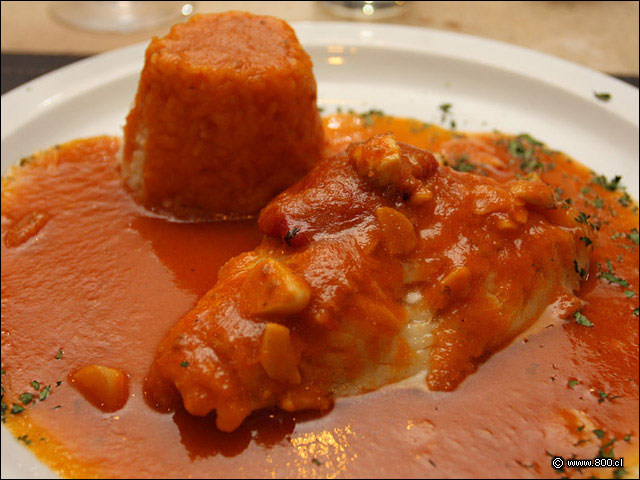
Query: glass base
<point>365,10</point>
<point>120,16</point>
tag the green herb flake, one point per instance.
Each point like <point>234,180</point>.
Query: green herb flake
<point>619,472</point>
<point>611,278</point>
<point>368,117</point>
<point>59,354</point>
<point>611,185</point>
<point>587,241</point>
<point>523,147</point>
<point>604,454</point>
<point>36,385</point>
<point>290,234</point>
<point>45,392</point>
<point>24,439</point>
<point>582,320</point>
<point>598,433</point>
<point>625,200</point>
<point>598,203</point>
<point>445,107</point>
<point>462,164</point>
<point>602,96</point>
<point>584,219</point>
<point>25,398</point>
<point>572,383</point>
<point>627,438</point>
<point>184,364</point>
<point>634,236</point>
<point>580,271</point>
<point>419,127</point>
<point>603,396</point>
<point>530,139</point>
<point>629,293</point>
<point>316,461</point>
<point>16,409</point>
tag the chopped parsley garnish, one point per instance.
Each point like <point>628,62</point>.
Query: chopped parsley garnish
<point>25,439</point>
<point>611,278</point>
<point>598,433</point>
<point>16,409</point>
<point>625,200</point>
<point>184,364</point>
<point>59,354</point>
<point>25,398</point>
<point>582,320</point>
<point>290,234</point>
<point>627,438</point>
<point>36,385</point>
<point>633,236</point>
<point>445,107</point>
<point>629,293</point>
<point>462,164</point>
<point>524,147</point>
<point>580,271</point>
<point>606,396</point>
<point>611,185</point>
<point>530,139</point>
<point>603,450</point>
<point>368,117</point>
<point>45,392</point>
<point>635,311</point>
<point>598,203</point>
<point>572,383</point>
<point>584,219</point>
<point>587,241</point>
<point>419,128</point>
<point>602,96</point>
<point>619,472</point>
<point>316,461</point>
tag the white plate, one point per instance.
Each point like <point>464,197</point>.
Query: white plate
<point>403,71</point>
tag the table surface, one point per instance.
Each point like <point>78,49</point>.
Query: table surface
<point>600,35</point>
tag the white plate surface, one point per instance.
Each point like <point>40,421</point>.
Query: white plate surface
<point>403,71</point>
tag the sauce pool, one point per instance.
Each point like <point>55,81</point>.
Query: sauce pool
<point>101,280</point>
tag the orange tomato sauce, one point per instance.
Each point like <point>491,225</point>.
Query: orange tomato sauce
<point>102,280</point>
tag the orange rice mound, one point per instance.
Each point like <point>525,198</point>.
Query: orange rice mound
<point>224,118</point>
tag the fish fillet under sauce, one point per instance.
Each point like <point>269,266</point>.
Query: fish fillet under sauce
<point>378,265</point>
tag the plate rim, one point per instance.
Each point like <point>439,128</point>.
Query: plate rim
<point>572,78</point>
